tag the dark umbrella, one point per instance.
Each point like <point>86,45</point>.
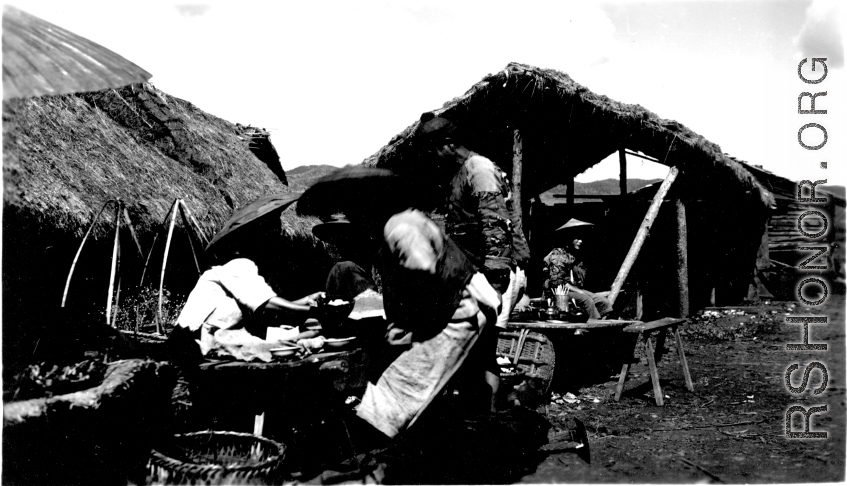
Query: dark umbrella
<point>40,58</point>
<point>257,211</point>
<point>364,194</point>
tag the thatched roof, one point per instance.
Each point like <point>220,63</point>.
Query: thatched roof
<point>64,156</point>
<point>567,129</point>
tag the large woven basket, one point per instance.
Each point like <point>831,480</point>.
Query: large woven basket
<point>216,457</point>
<point>537,357</point>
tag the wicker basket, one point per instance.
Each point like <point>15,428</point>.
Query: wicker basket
<point>216,457</point>
<point>537,357</point>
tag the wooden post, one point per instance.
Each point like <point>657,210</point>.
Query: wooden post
<point>570,184</point>
<point>517,171</point>
<point>517,182</point>
<point>622,158</point>
<point>641,236</point>
<point>682,259</point>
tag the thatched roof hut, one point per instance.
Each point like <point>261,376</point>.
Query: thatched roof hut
<point>65,156</point>
<point>571,129</point>
<point>564,129</point>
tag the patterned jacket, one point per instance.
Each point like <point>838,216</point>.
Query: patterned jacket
<point>562,267</point>
<point>477,214</point>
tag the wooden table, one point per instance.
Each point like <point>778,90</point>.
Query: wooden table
<point>345,368</point>
<point>564,325</point>
<point>323,378</point>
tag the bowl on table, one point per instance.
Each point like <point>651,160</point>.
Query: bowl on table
<point>284,351</point>
<point>338,342</point>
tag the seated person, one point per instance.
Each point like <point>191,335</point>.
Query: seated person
<point>352,274</point>
<point>565,267</point>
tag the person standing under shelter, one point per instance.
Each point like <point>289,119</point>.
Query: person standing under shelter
<point>476,210</point>
<point>565,268</point>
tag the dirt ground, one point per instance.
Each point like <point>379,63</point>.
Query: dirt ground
<point>731,428</point>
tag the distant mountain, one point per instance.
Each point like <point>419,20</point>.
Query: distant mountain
<point>606,186</point>
<point>832,189</point>
<point>300,178</point>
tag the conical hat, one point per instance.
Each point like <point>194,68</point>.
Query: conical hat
<point>574,223</point>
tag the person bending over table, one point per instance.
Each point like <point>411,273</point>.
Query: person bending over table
<point>234,293</point>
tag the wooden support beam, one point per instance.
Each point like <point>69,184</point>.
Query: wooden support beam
<point>570,184</point>
<point>517,170</point>
<point>642,234</point>
<point>682,260</point>
<point>622,159</point>
<point>517,182</point>
<point>645,157</point>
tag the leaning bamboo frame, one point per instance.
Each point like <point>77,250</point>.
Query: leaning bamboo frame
<point>114,291</point>
<point>178,206</point>
<point>115,267</point>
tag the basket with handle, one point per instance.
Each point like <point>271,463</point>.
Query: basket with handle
<point>532,356</point>
<point>216,457</point>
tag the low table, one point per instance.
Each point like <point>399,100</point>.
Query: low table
<point>645,330</point>
<point>527,345</point>
<point>324,378</point>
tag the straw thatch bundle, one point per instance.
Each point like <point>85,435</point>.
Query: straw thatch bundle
<point>66,155</point>
<point>567,129</point>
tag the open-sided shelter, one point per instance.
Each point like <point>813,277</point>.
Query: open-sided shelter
<point>542,129</point>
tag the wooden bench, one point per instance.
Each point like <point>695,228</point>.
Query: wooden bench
<point>645,330</point>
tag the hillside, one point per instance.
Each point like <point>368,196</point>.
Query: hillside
<point>300,178</point>
<point>605,186</point>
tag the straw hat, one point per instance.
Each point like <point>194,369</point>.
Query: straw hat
<point>574,223</point>
<point>337,231</point>
<point>433,128</point>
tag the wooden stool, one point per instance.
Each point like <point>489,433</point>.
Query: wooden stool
<point>645,330</point>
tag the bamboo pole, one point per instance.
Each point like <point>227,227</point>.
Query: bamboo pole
<point>132,232</point>
<point>622,160</point>
<point>165,265</point>
<point>114,262</point>
<point>682,259</point>
<point>197,227</point>
<point>188,235</point>
<point>79,250</point>
<point>153,246</point>
<point>642,234</point>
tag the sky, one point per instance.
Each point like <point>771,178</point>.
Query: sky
<point>334,81</point>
